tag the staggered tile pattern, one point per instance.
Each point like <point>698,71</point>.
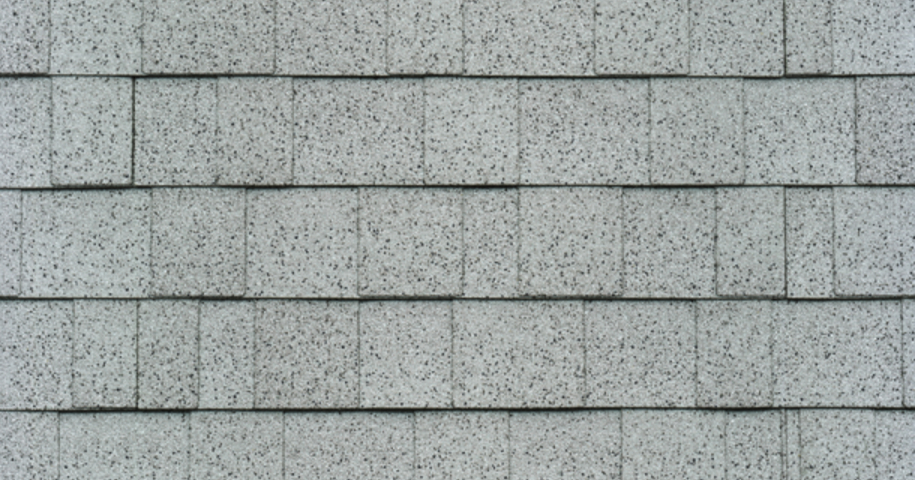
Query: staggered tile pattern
<point>457,239</point>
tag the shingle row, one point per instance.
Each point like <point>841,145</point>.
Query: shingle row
<point>497,445</point>
<point>555,242</point>
<point>474,37</point>
<point>272,354</point>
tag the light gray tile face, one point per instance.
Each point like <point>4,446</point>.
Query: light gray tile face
<point>92,135</point>
<point>302,242</point>
<point>518,354</point>
<point>751,241</point>
<point>461,446</point>
<point>306,355</point>
<point>872,37</point>
<point>737,38</point>
<point>908,351</point>
<point>25,131</point>
<point>104,354</point>
<point>85,243</point>
<point>405,354</point>
<point>641,354</point>
<point>808,37</point>
<point>800,131</point>
<point>359,132</point>
<point>96,37</point>
<point>697,131</point>
<point>24,29</point>
<point>894,444</point>
<point>520,37</point>
<point>28,445</point>
<point>734,366</point>
<point>113,446</point>
<point>322,37</point>
<point>584,132</point>
<point>425,37</point>
<point>176,131</point>
<point>673,444</point>
<point>875,230</point>
<point>10,241</point>
<point>886,130</point>
<point>754,445</point>
<point>634,37</point>
<point>471,131</point>
<point>574,445</point>
<point>198,242</point>
<point>410,242</point>
<point>490,242</point>
<point>213,36</point>
<point>837,444</point>
<point>570,241</point>
<point>326,446</point>
<point>167,354</point>
<point>809,242</point>
<point>669,243</point>
<point>237,445</point>
<point>36,341</point>
<point>838,354</point>
<point>227,355</point>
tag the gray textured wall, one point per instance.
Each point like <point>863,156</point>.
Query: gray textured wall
<point>445,239</point>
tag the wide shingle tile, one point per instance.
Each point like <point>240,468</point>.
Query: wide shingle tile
<point>302,242</point>
<point>167,351</point>
<point>518,354</point>
<point>96,37</point>
<point>636,37</point>
<point>837,444</point>
<point>808,37</point>
<point>461,445</point>
<point>640,354</point>
<point>25,132</point>
<point>886,130</point>
<point>28,445</point>
<point>236,445</point>
<point>894,444</point>
<point>737,38</point>
<point>24,28</point>
<point>754,445</point>
<point>10,241</point>
<point>85,243</point>
<point>104,354</point>
<point>579,445</point>
<point>425,37</point>
<point>584,132</point>
<point>673,444</point>
<point>490,242</point>
<point>871,37</point>
<point>750,250</point>
<point>227,355</point>
<point>809,242</point>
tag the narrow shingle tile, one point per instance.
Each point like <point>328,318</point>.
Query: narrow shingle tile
<point>886,130</point>
<point>750,249</point>
<point>837,444</point>
<point>491,243</point>
<point>873,37</point>
<point>425,37</point>
<point>25,132</point>
<point>104,354</point>
<point>737,38</point>
<point>29,445</point>
<point>808,37</point>
<point>236,445</point>
<point>167,348</point>
<point>227,345</point>
<point>10,241</point>
<point>462,445</point>
<point>25,32</point>
<point>809,242</point>
<point>639,37</point>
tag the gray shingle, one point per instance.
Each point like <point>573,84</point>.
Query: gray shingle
<point>754,445</point>
<point>873,37</point>
<point>886,130</point>
<point>908,352</point>
<point>837,444</point>
<point>568,445</point>
<point>462,445</point>
<point>96,37</point>
<point>638,37</point>
<point>425,37</point>
<point>490,242</point>
<point>673,445</point>
<point>227,355</point>
<point>894,444</point>
<point>10,241</point>
<point>750,250</point>
<point>28,445</point>
<point>25,131</point>
<point>236,445</point>
<point>24,28</point>
<point>809,242</point>
<point>737,38</point>
<point>168,352</point>
<point>104,354</point>
<point>808,37</point>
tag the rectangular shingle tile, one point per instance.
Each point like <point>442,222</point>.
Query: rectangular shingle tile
<point>894,444</point>
<point>28,445</point>
<point>669,243</point>
<point>236,445</point>
<point>92,135</point>
<point>490,242</point>
<point>837,444</point>
<point>302,242</point>
<point>673,445</point>
<point>329,446</point>
<point>359,132</point>
<point>737,38</point>
<point>118,445</point>
<point>227,355</point>
<point>640,354</point>
<point>167,350</point>
<point>89,243</point>
<point>96,37</point>
<point>800,131</point>
<point>583,444</point>
<point>25,132</point>
<point>306,355</point>
<point>886,130</point>
<point>638,37</point>
<point>518,354</point>
<point>697,131</point>
<point>425,37</point>
<point>872,37</point>
<point>24,28</point>
<point>36,341</point>
<point>571,241</point>
<point>471,131</point>
<point>734,367</point>
<point>808,37</point>
<point>908,352</point>
<point>584,132</point>
<point>198,242</point>
<point>462,445</point>
<point>104,354</point>
<point>751,241</point>
<point>212,36</point>
<point>330,37</point>
<point>791,435</point>
<point>809,242</point>
<point>405,354</point>
<point>837,354</point>
<point>10,241</point>
<point>410,242</point>
<point>753,445</point>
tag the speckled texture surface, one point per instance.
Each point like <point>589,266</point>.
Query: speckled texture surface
<point>410,242</point>
<point>226,355</point>
<point>837,444</point>
<point>908,352</point>
<point>10,241</point>
<point>462,445</point>
<point>359,132</point>
<point>198,242</point>
<point>28,445</point>
<point>750,250</point>
<point>425,37</point>
<point>306,355</point>
<point>886,130</point>
<point>737,38</point>
<point>894,443</point>
<point>753,445</point>
<point>236,445</point>
<point>518,354</point>
<point>581,444</point>
<point>491,240</point>
<point>92,132</point>
<point>25,132</point>
<point>570,242</point>
<point>640,354</point>
<point>809,242</point>
<point>673,444</point>
<point>302,242</point>
<point>24,28</point>
<point>808,37</point>
<point>873,37</point>
<point>97,37</point>
<point>583,132</point>
<point>669,243</point>
<point>638,37</point>
<point>167,354</point>
<point>104,354</point>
